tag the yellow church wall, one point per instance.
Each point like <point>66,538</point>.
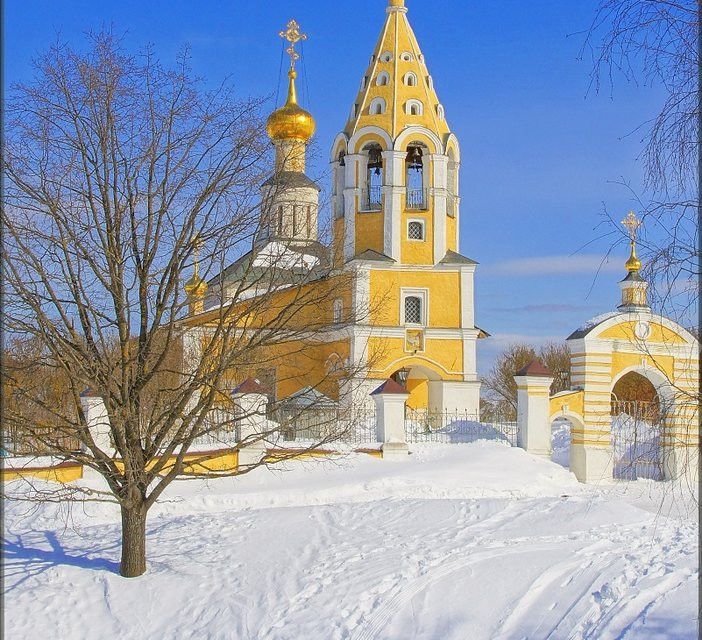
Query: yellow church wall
<point>296,366</point>
<point>418,393</point>
<point>451,244</point>
<point>370,138</point>
<point>443,357</point>
<point>370,232</point>
<point>300,306</point>
<point>339,230</point>
<point>444,296</point>
<point>417,251</point>
<point>659,333</point>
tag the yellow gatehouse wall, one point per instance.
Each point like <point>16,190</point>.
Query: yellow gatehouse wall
<point>623,361</point>
<point>572,401</point>
<point>659,333</point>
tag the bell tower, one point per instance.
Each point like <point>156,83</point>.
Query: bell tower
<point>396,162</point>
<point>396,214</point>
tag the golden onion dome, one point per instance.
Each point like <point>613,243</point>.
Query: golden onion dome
<point>633,264</point>
<point>291,121</point>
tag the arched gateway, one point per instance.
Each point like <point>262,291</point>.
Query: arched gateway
<point>631,361</point>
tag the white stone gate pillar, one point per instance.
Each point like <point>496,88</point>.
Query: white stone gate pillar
<point>251,401</point>
<point>390,398</point>
<point>533,390</point>
<point>98,421</point>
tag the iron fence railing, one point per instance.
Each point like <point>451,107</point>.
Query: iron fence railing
<point>327,424</point>
<point>40,442</point>
<point>448,427</point>
<point>636,436</point>
<point>372,199</point>
<point>416,199</point>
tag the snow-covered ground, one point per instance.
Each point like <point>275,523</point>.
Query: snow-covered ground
<point>456,542</point>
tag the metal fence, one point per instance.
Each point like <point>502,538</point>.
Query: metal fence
<point>19,443</point>
<point>372,199</point>
<point>449,427</point>
<point>416,199</point>
<point>636,435</point>
<point>327,424</point>
<point>220,428</point>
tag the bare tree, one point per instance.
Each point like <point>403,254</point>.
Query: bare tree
<point>499,384</point>
<point>656,43</point>
<point>119,173</point>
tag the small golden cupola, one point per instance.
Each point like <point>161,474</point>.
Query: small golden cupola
<point>633,287</point>
<point>196,287</point>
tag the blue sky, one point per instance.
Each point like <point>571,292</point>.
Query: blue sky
<point>540,152</point>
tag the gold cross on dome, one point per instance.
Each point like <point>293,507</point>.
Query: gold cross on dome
<point>632,224</point>
<point>293,35</point>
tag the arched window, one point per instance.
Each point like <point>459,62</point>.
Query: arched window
<point>430,82</point>
<point>406,56</point>
<point>372,196</point>
<point>377,106</point>
<point>415,230</point>
<point>410,79</point>
<point>414,108</point>
<point>451,185</point>
<point>339,183</point>
<point>440,111</point>
<point>414,176</point>
<point>383,79</point>
<point>386,56</point>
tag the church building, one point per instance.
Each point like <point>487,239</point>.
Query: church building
<point>395,211</point>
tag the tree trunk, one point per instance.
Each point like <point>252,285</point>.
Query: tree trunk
<point>133,562</point>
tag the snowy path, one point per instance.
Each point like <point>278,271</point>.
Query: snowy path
<point>347,552</point>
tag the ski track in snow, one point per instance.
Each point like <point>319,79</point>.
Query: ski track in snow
<point>523,562</point>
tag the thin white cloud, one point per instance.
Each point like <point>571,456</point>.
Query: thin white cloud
<point>555,265</point>
<point>542,308</point>
<point>500,340</point>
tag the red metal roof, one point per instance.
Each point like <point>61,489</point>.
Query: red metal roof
<point>389,386</point>
<point>535,368</point>
<point>251,385</point>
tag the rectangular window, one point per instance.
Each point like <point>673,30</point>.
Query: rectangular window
<point>414,307</point>
<point>413,310</point>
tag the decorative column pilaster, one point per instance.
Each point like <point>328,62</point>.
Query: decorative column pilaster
<point>250,401</point>
<point>390,399</point>
<point>533,389</point>
<point>98,421</point>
